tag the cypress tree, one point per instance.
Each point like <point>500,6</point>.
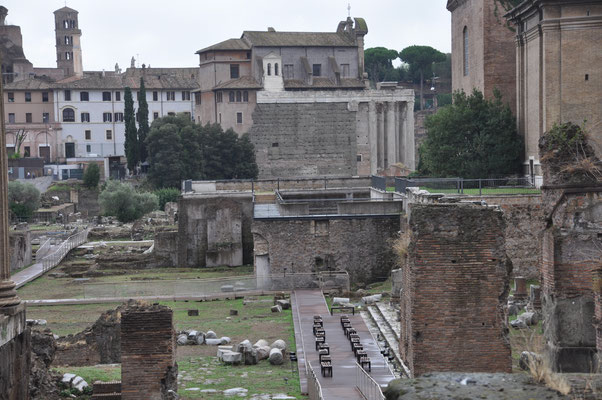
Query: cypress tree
<point>131,135</point>
<point>143,127</point>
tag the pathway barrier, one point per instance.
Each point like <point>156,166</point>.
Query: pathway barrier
<point>53,259</point>
<point>314,389</point>
<point>43,249</point>
<point>366,385</point>
<point>202,287</point>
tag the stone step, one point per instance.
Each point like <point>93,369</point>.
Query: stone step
<point>390,316</point>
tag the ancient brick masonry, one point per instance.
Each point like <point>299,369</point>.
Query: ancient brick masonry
<point>148,367</point>
<point>455,287</point>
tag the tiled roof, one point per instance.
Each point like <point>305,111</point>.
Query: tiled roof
<point>324,83</point>
<point>303,39</point>
<point>29,84</point>
<point>154,78</point>
<point>230,44</point>
<point>245,82</point>
<point>66,9</point>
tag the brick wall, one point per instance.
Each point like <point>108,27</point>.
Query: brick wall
<point>455,286</point>
<point>147,353</point>
<point>360,246</point>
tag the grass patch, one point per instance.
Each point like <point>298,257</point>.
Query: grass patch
<point>485,191</point>
<point>380,287</point>
<point>103,373</point>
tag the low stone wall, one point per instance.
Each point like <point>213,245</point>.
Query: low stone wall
<point>19,244</point>
<point>15,354</point>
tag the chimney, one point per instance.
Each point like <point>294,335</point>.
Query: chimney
<point>270,29</point>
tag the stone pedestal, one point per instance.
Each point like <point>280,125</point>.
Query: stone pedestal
<point>520,288</point>
<point>535,297</point>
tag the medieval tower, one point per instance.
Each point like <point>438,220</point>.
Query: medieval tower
<point>68,44</point>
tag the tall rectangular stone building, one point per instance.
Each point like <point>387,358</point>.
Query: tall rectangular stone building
<point>483,50</point>
<point>559,54</point>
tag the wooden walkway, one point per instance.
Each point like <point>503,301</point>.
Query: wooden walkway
<point>306,304</point>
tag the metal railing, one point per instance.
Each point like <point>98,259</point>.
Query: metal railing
<point>213,286</point>
<point>53,259</point>
<point>366,385</point>
<point>314,389</point>
<point>510,185</point>
<point>43,249</point>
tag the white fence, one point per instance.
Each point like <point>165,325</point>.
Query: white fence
<point>43,250</point>
<point>51,260</point>
<point>366,385</point>
<point>314,389</point>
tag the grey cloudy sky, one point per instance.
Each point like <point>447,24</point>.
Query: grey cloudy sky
<point>167,33</point>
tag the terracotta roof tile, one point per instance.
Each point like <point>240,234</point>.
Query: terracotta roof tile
<point>303,39</point>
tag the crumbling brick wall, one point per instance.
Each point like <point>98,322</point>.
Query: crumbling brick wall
<point>454,292</point>
<point>148,366</point>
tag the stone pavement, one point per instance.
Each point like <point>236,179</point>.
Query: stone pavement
<point>306,304</point>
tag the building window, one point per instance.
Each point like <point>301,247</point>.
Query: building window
<point>171,96</point>
<point>85,117</point>
<point>245,96</point>
<point>45,97</point>
<point>106,96</point>
<point>84,96</point>
<point>218,97</point>
<point>68,115</point>
<point>171,114</point>
<point>68,40</point>
<point>248,55</point>
<point>239,118</point>
<point>67,55</point>
<point>219,121</point>
<point>11,97</point>
<point>27,151</point>
<point>238,96</point>
<point>234,71</point>
<point>185,95</point>
<point>231,97</point>
<point>107,117</point>
<point>289,71</point>
<point>317,69</point>
<point>465,49</point>
<point>359,158</point>
<point>88,148</point>
<point>109,134</point>
<point>11,118</point>
<point>28,97</point>
<point>269,69</point>
<point>67,95</point>
<point>117,96</point>
<point>155,96</point>
<point>45,117</point>
<point>28,118</point>
<point>197,97</point>
<point>118,117</point>
<point>88,134</point>
<point>344,70</point>
<point>155,115</point>
<point>276,69</point>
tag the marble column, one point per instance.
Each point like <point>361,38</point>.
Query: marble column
<point>8,294</point>
<point>373,137</point>
<point>391,135</point>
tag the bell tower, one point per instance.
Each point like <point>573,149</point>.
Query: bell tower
<point>68,44</point>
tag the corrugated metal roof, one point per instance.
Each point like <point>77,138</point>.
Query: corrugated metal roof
<point>299,39</point>
<point>230,44</point>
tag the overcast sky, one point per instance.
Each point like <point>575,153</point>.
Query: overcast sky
<point>167,33</point>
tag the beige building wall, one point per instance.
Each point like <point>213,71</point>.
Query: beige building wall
<point>559,56</point>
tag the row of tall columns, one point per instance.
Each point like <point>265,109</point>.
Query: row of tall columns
<point>8,293</point>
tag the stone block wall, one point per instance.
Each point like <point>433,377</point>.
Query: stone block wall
<point>360,246</point>
<point>454,290</point>
<point>148,367</point>
<point>15,354</point>
<point>597,281</point>
<point>571,254</point>
<point>19,244</point>
<point>304,139</point>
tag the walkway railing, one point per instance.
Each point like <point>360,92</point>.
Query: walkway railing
<point>314,389</point>
<point>43,250</point>
<point>366,385</point>
<point>51,260</point>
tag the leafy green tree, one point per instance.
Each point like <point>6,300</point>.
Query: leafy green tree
<point>167,195</point>
<point>164,154</point>
<point>143,128</point>
<point>246,167</point>
<point>192,156</point>
<point>378,62</point>
<point>471,138</point>
<point>124,202</point>
<point>92,176</point>
<point>23,199</point>
<point>131,134</point>
<point>420,59</point>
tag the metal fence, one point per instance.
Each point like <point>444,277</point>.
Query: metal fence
<point>51,260</point>
<point>43,249</point>
<point>214,286</point>
<point>510,185</point>
<point>366,385</point>
<point>314,389</point>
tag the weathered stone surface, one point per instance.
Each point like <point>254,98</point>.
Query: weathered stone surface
<point>232,357</point>
<point>235,392</point>
<point>261,343</point>
<point>284,304</point>
<point>276,357</point>
<point>372,299</point>
<point>528,359</point>
<point>210,335</point>
<point>223,349</point>
<point>279,344</point>
<point>225,340</point>
<point>213,342</point>
<point>263,352</point>
<point>276,308</point>
<point>182,340</point>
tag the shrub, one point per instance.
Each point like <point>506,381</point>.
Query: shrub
<point>92,176</point>
<point>122,201</point>
<point>23,199</point>
<point>167,195</point>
